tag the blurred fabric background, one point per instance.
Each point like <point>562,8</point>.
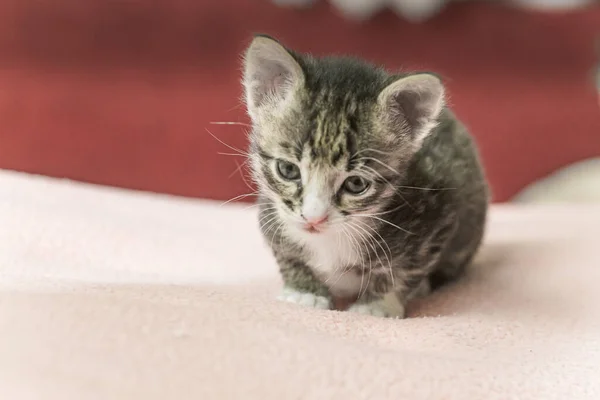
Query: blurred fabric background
<point>122,92</point>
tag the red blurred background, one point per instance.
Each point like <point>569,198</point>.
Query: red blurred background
<point>121,92</point>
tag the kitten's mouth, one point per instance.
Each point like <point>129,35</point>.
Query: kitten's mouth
<point>312,229</point>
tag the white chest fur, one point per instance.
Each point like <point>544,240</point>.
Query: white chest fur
<point>331,256</point>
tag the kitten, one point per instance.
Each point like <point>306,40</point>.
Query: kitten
<point>371,191</point>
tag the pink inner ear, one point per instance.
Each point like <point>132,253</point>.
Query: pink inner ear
<point>271,82</point>
<point>277,84</point>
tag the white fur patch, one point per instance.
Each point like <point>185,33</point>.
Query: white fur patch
<point>388,307</point>
<point>305,299</point>
<point>331,254</point>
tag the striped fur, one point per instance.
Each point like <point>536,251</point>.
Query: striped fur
<point>422,217</point>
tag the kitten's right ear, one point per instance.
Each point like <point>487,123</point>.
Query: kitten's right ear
<point>270,75</point>
<point>413,103</point>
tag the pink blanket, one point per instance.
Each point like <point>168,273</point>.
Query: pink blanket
<point>108,294</point>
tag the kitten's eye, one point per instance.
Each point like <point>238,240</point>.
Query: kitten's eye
<point>287,170</point>
<point>356,185</point>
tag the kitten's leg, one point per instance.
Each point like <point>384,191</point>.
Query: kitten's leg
<point>302,287</point>
<point>420,291</point>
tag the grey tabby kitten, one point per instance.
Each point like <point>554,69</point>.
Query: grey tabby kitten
<point>370,190</point>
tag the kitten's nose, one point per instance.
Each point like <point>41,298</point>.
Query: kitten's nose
<point>314,210</point>
<point>315,220</point>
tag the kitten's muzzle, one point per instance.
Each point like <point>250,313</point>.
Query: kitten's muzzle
<point>315,224</point>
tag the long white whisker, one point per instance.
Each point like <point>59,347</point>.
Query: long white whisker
<point>377,174</point>
<point>347,267</point>
<point>389,251</point>
<point>241,196</point>
<point>370,262</point>
<point>271,208</point>
<point>384,221</point>
<point>390,211</point>
<point>270,224</point>
<point>355,241</point>
<point>259,204</point>
<point>226,145</point>
<point>281,225</point>
<point>372,170</point>
<point>271,215</point>
<point>423,188</point>
<point>371,150</point>
<point>268,215</point>
<point>232,154</point>
<point>230,123</point>
<point>239,169</point>
<point>380,163</point>
<point>235,107</point>
<point>373,242</point>
<point>337,267</point>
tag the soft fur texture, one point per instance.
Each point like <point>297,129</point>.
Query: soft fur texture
<point>120,295</point>
<point>323,128</point>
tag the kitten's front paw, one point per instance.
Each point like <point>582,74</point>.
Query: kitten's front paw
<point>304,298</point>
<point>375,309</point>
<point>388,307</point>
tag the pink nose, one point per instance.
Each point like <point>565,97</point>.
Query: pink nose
<point>316,221</point>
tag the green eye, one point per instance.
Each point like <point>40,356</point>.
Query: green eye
<point>287,170</point>
<point>356,185</point>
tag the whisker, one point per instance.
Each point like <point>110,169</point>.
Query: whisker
<point>259,203</point>
<point>378,175</point>
<point>389,257</point>
<point>337,267</point>
<point>356,243</point>
<point>373,241</point>
<point>278,229</point>
<point>268,215</point>
<point>347,268</point>
<point>423,188</point>
<point>270,210</point>
<point>384,221</point>
<point>230,123</point>
<point>239,169</point>
<point>390,211</point>
<point>241,196</point>
<point>380,163</point>
<point>236,107</point>
<point>270,224</point>
<point>231,154</point>
<point>372,150</point>
<point>226,145</point>
<point>370,263</point>
<point>404,200</point>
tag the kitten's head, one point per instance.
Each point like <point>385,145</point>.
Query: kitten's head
<point>331,136</point>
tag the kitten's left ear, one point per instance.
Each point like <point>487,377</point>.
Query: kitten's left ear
<point>271,74</point>
<point>413,104</point>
